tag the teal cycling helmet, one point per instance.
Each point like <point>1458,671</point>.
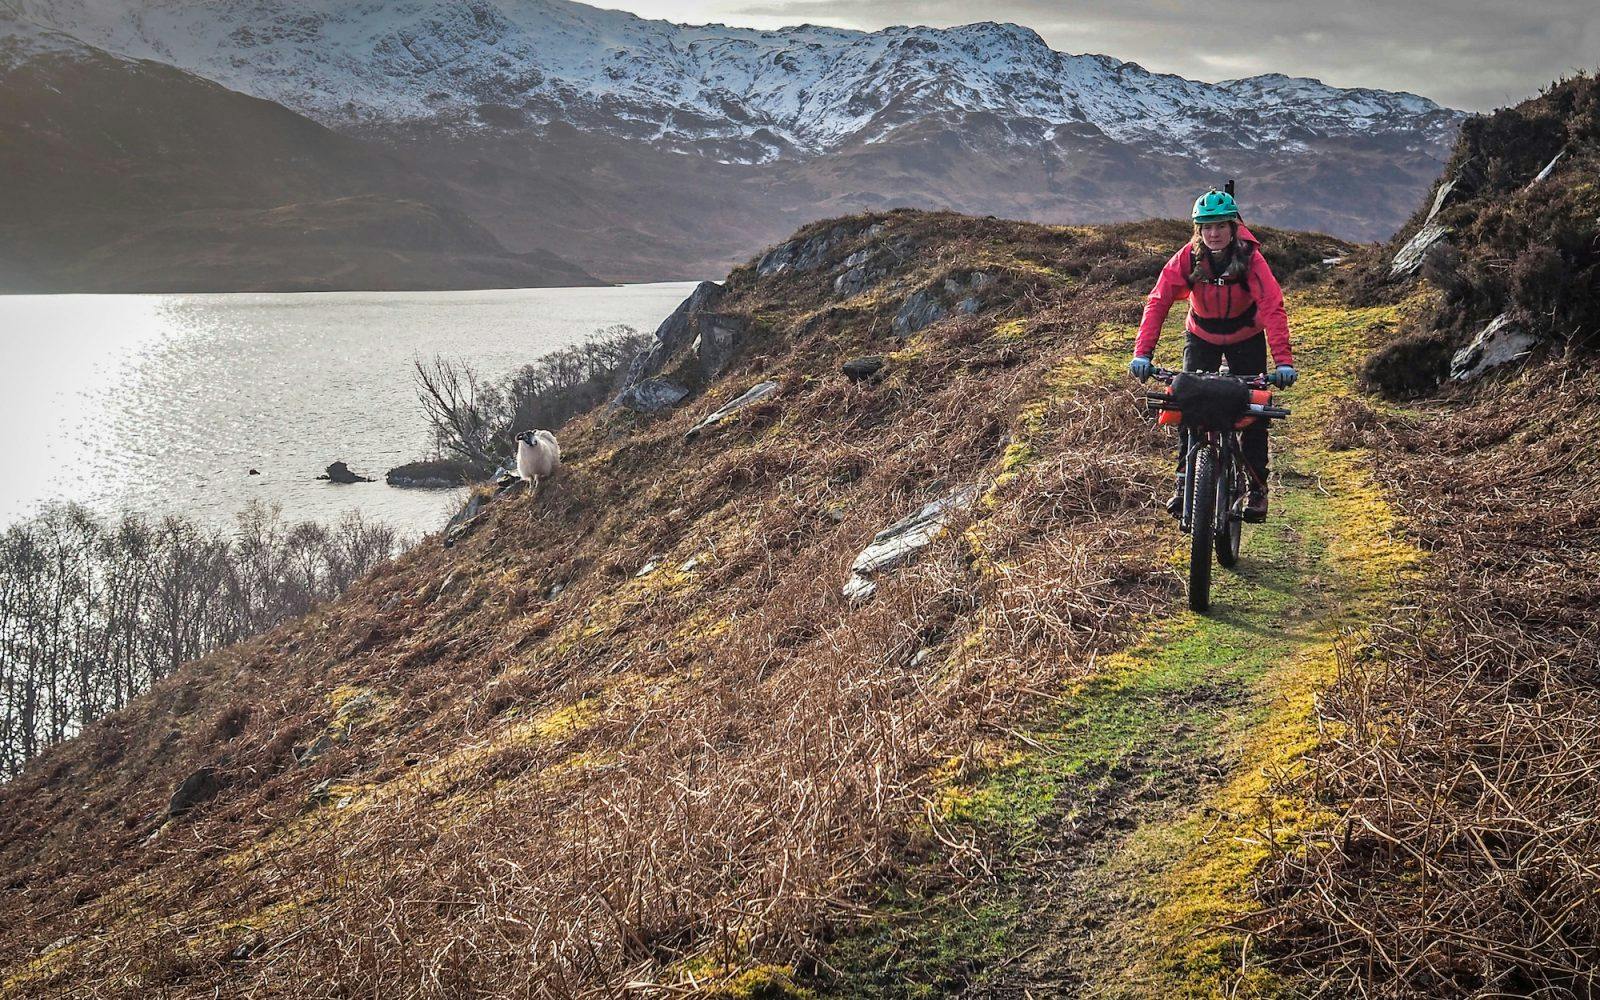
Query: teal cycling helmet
<point>1215,206</point>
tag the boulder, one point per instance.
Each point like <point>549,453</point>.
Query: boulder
<point>675,332</point>
<point>901,541</point>
<point>339,472</point>
<point>753,394</point>
<point>920,309</point>
<point>864,368</point>
<point>1409,260</point>
<point>651,396</point>
<point>716,339</point>
<point>1499,343</point>
<point>198,787</point>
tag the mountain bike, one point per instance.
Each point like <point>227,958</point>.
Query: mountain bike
<point>1210,411</point>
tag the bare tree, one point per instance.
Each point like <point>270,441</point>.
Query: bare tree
<point>476,422</point>
<point>466,414</point>
<point>93,612</point>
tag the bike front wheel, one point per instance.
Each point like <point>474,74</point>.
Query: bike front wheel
<point>1229,522</point>
<point>1202,528</point>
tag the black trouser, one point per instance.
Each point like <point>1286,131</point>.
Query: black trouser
<point>1247,357</point>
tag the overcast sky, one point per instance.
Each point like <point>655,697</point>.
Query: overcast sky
<point>1471,54</point>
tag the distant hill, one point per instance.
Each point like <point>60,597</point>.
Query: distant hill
<point>643,149</point>
<point>129,175</point>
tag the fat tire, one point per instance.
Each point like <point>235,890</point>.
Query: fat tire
<point>1202,529</point>
<point>1229,527</point>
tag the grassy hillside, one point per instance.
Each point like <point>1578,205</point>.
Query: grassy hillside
<point>630,730</point>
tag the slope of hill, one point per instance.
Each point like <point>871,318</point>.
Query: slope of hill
<point>602,136</point>
<point>124,175</point>
<point>632,728</point>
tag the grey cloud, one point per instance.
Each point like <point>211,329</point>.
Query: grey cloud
<point>1472,54</point>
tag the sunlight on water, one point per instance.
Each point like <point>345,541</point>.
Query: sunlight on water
<point>163,403</point>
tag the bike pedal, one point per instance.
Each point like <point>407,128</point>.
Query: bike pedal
<point>1250,518</point>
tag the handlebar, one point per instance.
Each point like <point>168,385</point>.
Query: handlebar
<point>1166,375</point>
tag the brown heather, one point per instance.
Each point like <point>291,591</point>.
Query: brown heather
<point>1464,738</point>
<point>643,780</point>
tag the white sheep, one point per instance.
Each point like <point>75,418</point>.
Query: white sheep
<point>538,456</point>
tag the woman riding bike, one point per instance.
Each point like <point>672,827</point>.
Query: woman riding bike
<point>1235,313</point>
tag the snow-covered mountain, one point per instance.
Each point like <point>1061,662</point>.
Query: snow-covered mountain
<point>753,95</point>
<point>643,149</point>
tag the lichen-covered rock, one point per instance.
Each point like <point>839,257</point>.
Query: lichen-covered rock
<point>1499,343</point>
<point>651,396</point>
<point>920,309</point>
<point>900,541</point>
<point>753,394</point>
<point>1409,260</point>
<point>1443,196</point>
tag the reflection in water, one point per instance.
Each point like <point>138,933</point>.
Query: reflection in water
<point>164,403</point>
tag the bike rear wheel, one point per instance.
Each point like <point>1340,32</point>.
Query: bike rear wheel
<point>1229,522</point>
<point>1202,528</point>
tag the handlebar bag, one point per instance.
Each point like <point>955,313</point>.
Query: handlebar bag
<point>1210,403</point>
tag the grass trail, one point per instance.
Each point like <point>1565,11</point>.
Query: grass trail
<point>1135,812</point>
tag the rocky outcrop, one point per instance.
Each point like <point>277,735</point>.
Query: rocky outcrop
<point>1442,197</point>
<point>716,340</point>
<point>339,472</point>
<point>927,306</point>
<point>651,396</point>
<point>467,519</point>
<point>674,333</point>
<point>801,255</point>
<point>920,309</point>
<point>897,544</point>
<point>754,394</point>
<point>1501,342</point>
<point>1409,260</point>
<point>435,474</point>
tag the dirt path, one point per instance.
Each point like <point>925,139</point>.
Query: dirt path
<point>1136,812</point>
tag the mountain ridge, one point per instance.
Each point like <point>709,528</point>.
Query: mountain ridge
<point>646,150</point>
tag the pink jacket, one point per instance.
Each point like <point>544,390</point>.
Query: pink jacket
<point>1214,301</point>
